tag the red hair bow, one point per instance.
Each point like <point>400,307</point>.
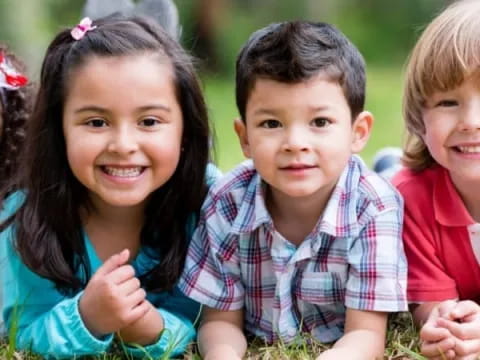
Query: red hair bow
<point>9,77</point>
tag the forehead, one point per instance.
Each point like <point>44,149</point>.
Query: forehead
<point>102,77</point>
<point>125,65</point>
<point>316,92</point>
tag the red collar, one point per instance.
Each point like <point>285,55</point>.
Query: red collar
<point>447,204</point>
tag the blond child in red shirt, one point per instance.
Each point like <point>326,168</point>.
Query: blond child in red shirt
<point>441,181</point>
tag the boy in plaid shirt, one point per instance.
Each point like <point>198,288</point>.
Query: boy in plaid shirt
<point>302,237</point>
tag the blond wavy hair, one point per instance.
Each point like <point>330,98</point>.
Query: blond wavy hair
<point>447,53</point>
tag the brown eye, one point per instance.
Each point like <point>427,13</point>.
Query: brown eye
<point>270,124</point>
<point>97,123</point>
<point>149,122</point>
<point>320,122</point>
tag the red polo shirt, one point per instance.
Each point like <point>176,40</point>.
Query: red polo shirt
<point>441,262</point>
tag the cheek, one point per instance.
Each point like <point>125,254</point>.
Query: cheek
<point>432,137</point>
<point>166,149</point>
<point>80,152</point>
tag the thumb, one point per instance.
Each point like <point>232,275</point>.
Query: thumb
<point>113,262</point>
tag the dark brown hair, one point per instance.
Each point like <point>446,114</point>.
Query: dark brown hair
<point>48,225</point>
<point>295,51</point>
<point>16,107</point>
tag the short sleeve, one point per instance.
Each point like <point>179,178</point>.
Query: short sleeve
<point>212,272</point>
<point>378,271</point>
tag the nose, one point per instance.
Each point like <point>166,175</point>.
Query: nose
<point>295,140</point>
<point>471,115</point>
<point>123,141</point>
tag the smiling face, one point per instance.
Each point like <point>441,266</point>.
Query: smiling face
<point>452,132</point>
<point>123,127</point>
<point>300,136</point>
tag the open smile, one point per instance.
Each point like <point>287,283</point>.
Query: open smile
<point>123,172</point>
<point>468,149</point>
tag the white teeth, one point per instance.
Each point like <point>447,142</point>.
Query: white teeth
<point>469,149</point>
<point>123,172</point>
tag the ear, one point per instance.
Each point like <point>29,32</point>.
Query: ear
<point>361,129</point>
<point>241,130</point>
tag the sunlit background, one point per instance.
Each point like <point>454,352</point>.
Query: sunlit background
<point>214,30</point>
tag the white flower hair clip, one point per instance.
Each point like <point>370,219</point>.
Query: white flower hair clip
<point>81,29</point>
<point>10,78</point>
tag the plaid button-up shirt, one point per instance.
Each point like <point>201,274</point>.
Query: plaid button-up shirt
<point>353,258</point>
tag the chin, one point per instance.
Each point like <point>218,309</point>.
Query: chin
<point>124,201</point>
<point>300,193</point>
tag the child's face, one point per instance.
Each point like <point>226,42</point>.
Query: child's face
<point>123,128</point>
<point>452,131</point>
<point>300,136</point>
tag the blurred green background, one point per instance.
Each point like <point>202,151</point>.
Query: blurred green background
<point>214,30</point>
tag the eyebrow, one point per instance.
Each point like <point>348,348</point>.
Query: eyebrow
<point>263,111</point>
<point>99,109</point>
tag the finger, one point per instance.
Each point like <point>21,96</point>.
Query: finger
<point>467,347</point>
<point>113,262</point>
<point>445,307</point>
<point>465,309</point>
<point>139,311</point>
<point>136,298</point>
<point>463,331</point>
<point>121,274</point>
<point>129,286</point>
<point>430,333</point>
<point>440,348</point>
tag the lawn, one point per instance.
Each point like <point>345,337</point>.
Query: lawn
<point>402,344</point>
<point>384,89</point>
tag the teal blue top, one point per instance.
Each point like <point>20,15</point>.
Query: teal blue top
<point>49,323</point>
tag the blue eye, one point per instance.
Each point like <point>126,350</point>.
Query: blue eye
<point>97,123</point>
<point>270,124</point>
<point>320,122</point>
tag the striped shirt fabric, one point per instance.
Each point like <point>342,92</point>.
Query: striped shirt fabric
<point>353,257</point>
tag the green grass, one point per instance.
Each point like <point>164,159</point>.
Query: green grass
<point>384,88</point>
<point>402,344</point>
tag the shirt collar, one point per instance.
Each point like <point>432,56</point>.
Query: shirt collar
<point>339,218</point>
<point>252,212</point>
<point>448,207</point>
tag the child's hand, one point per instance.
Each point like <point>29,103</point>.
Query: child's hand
<point>145,330</point>
<point>437,341</point>
<point>113,297</point>
<point>463,322</point>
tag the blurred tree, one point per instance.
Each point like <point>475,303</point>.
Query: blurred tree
<point>209,15</point>
<point>215,29</point>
